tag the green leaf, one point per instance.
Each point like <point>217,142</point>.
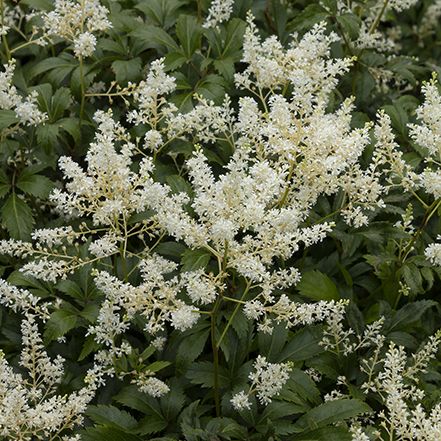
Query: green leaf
<point>412,277</point>
<point>189,33</point>
<point>131,397</point>
<point>35,185</point>
<point>171,250</point>
<point>317,286</point>
<point>364,84</point>
<point>59,68</point>
<point>409,314</point>
<point>111,416</point>
<point>278,409</point>
<point>156,38</point>
<point>5,184</point>
<point>331,412</point>
<point>7,118</point>
<point>203,373</point>
<point>234,39</point>
<point>158,365</point>
<point>107,433</point>
<point>71,126</point>
<point>301,346</point>
<point>178,184</point>
<point>326,434</point>
<point>227,428</point>
<point>59,323</point>
<point>398,117</point>
<point>151,424</point>
<point>191,346</point>
<point>300,389</point>
<point>89,346</point>
<point>70,288</point>
<point>350,24</point>
<point>47,134</point>
<point>17,217</point>
<point>127,70</point>
<point>174,60</point>
<point>42,5</point>
<point>60,102</point>
<point>173,402</point>
<point>162,13</point>
<point>270,345</point>
<point>212,87</point>
<point>309,16</point>
<point>194,259</point>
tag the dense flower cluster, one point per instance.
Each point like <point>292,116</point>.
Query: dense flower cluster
<point>25,108</point>
<point>29,403</point>
<point>76,22</point>
<point>236,229</point>
<point>267,380</point>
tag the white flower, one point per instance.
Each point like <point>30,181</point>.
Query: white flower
<point>151,385</point>
<point>29,404</point>
<point>148,96</point>
<point>159,343</point>
<point>105,246</point>
<point>184,317</point>
<point>401,5</point>
<point>220,11</point>
<point>428,132</point>
<point>433,253</point>
<point>200,287</point>
<point>240,401</point>
<point>84,45</point>
<point>76,22</point>
<point>28,112</point>
<point>25,108</point>
<point>358,434</point>
<point>268,378</point>
<point>432,182</point>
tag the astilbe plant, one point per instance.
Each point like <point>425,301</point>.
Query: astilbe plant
<point>248,220</point>
<point>247,217</point>
<point>30,405</point>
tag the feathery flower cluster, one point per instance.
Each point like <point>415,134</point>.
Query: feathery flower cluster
<point>76,22</point>
<point>25,108</point>
<point>150,385</point>
<point>433,253</point>
<point>149,96</point>
<point>220,11</point>
<point>306,65</point>
<point>337,339</point>
<point>249,215</point>
<point>156,299</point>
<point>10,15</point>
<point>30,406</point>
<point>267,380</point>
<point>428,132</point>
<point>404,416</point>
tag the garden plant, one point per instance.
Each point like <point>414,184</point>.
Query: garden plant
<point>220,220</point>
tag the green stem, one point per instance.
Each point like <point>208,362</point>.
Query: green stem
<point>378,18</point>
<point>236,309</point>
<point>429,213</point>
<point>4,39</point>
<point>83,91</point>
<point>215,350</point>
<point>199,13</point>
<point>23,45</point>
<point>282,200</point>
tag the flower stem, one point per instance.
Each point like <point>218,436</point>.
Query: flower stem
<point>215,349</point>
